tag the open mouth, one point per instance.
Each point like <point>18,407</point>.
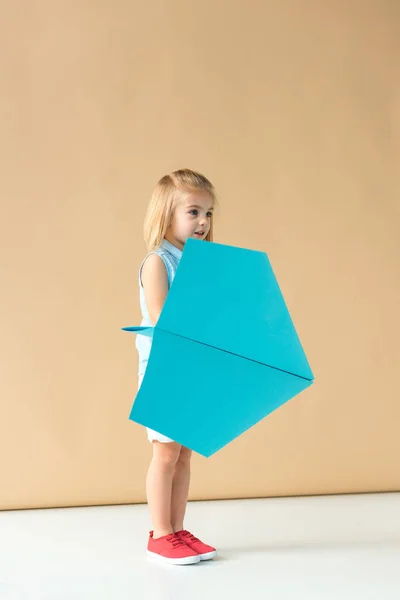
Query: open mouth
<point>199,233</point>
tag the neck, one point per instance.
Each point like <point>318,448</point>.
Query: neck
<point>174,241</point>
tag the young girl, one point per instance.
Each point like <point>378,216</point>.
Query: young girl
<point>181,207</point>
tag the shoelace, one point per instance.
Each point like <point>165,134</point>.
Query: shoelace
<point>174,540</point>
<point>192,538</point>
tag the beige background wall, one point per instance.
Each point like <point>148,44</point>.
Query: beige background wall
<point>292,110</point>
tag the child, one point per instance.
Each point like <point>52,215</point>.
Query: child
<point>181,207</point>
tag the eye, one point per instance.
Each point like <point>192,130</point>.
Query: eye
<point>194,212</point>
<point>209,214</point>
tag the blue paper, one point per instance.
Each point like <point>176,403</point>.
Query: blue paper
<point>225,352</point>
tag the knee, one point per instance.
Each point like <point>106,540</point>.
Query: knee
<point>166,456</point>
<point>184,457</point>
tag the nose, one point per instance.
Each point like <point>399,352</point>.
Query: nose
<point>203,220</point>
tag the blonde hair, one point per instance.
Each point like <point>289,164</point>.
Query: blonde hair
<point>166,195</point>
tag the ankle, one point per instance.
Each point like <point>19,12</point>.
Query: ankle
<point>158,533</point>
<point>178,527</point>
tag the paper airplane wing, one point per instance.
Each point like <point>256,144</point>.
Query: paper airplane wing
<point>229,298</point>
<point>204,398</point>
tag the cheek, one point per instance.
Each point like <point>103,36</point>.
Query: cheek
<point>179,221</point>
<point>189,221</point>
<point>183,224</point>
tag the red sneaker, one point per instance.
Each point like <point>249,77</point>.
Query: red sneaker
<point>204,551</point>
<point>171,549</point>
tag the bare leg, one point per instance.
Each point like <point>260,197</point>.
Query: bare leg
<point>180,489</point>
<point>159,486</point>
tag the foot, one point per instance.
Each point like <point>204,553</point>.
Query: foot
<point>204,551</point>
<point>170,549</point>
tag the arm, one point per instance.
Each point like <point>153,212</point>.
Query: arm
<point>155,285</point>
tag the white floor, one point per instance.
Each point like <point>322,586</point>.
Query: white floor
<point>332,547</point>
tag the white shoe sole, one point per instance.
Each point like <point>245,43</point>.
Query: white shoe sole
<point>208,555</point>
<point>188,560</point>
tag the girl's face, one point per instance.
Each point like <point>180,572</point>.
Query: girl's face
<point>191,219</point>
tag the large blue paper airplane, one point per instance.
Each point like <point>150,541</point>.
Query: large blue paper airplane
<point>225,352</point>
